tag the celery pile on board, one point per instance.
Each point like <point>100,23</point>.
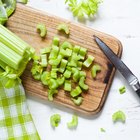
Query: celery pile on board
<point>66,63</point>
<point>14,56</point>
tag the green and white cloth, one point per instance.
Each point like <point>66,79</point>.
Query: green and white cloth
<point>15,119</point>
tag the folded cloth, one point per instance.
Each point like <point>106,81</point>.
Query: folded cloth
<point>16,122</point>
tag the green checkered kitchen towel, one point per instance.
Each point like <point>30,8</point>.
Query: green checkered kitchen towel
<point>15,119</point>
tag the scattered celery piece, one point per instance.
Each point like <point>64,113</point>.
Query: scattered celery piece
<point>60,80</point>
<point>63,27</point>
<point>67,73</point>
<point>53,84</point>
<point>66,45</point>
<point>44,62</point>
<point>102,130</point>
<point>66,53</point>
<point>119,116</point>
<point>42,29</point>
<point>88,61</point>
<point>51,93</point>
<point>56,41</point>
<point>55,62</point>
<point>122,89</point>
<point>77,91</point>
<point>54,52</point>
<point>54,73</point>
<point>76,49</point>
<point>55,120</point>
<point>79,65</point>
<point>63,65</point>
<point>96,68</point>
<point>45,77</point>
<point>76,74</point>
<point>45,50</point>
<point>74,122</point>
<point>67,85</point>
<point>82,73</point>
<point>82,83</point>
<point>82,53</point>
<point>77,101</point>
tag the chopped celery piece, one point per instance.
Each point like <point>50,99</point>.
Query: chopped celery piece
<point>56,41</point>
<point>77,101</point>
<point>82,73</point>
<point>67,85</point>
<point>53,84</point>
<point>36,57</point>
<point>82,83</point>
<point>60,81</point>
<point>44,60</point>
<point>74,122</point>
<point>102,130</point>
<point>66,53</point>
<point>76,49</point>
<point>119,116</point>
<point>45,77</point>
<point>42,29</point>
<point>88,61</point>
<point>122,89</point>
<point>82,53</point>
<point>63,27</point>
<point>66,45</point>
<point>79,65</point>
<point>96,68</point>
<point>55,62</point>
<point>67,73</point>
<point>22,1</point>
<point>54,52</point>
<point>51,93</point>
<point>63,65</point>
<point>45,50</point>
<point>77,91</point>
<point>76,74</point>
<point>55,120</point>
<point>54,73</point>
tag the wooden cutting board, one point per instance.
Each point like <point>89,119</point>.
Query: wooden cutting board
<point>23,23</point>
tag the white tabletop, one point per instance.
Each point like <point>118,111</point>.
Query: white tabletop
<point>120,18</point>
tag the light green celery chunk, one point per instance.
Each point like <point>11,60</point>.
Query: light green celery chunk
<point>77,91</point>
<point>88,61</point>
<point>82,73</point>
<point>82,53</point>
<point>96,68</point>
<point>54,73</point>
<point>67,73</point>
<point>63,27</point>
<point>44,62</point>
<point>9,57</point>
<point>76,49</point>
<point>79,65</point>
<point>22,1</point>
<point>60,81</point>
<point>45,50</point>
<point>66,45</point>
<point>67,85</point>
<point>45,77</point>
<point>56,41</point>
<point>55,62</point>
<point>78,101</point>
<point>54,52</point>
<point>76,74</point>
<point>51,93</point>
<point>53,84</point>
<point>82,83</point>
<point>63,65</point>
<point>42,29</point>
<point>66,53</point>
<point>74,122</point>
<point>55,120</point>
<point>119,116</point>
<point>122,89</point>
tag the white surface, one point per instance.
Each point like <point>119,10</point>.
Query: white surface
<point>121,19</point>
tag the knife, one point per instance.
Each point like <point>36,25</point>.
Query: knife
<point>119,64</point>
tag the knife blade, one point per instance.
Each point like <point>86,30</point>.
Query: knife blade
<point>120,66</point>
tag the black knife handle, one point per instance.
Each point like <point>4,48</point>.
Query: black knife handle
<point>138,92</point>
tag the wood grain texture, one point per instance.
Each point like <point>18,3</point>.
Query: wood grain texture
<point>23,23</point>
